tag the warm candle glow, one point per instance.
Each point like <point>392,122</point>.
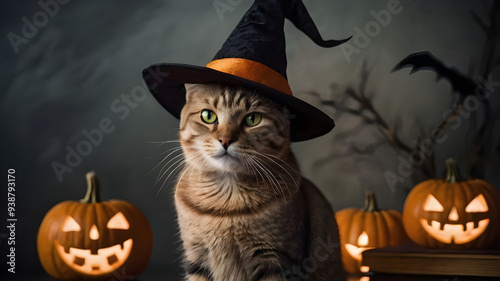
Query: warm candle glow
<point>454,230</point>
<point>94,233</point>
<point>105,261</point>
<point>477,205</point>
<point>453,216</point>
<point>363,239</point>
<point>118,221</point>
<point>432,204</point>
<point>69,224</point>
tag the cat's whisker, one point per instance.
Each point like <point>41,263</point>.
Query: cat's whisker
<point>180,164</point>
<point>160,143</point>
<point>248,167</point>
<point>281,160</point>
<point>164,141</point>
<point>279,174</point>
<point>278,183</point>
<point>170,152</point>
<point>188,168</point>
<point>175,149</point>
<point>163,184</point>
<point>279,165</point>
<point>166,181</point>
<point>198,159</point>
<point>282,189</point>
<point>163,171</point>
<point>256,168</point>
<point>162,153</point>
<point>244,158</point>
<point>272,179</point>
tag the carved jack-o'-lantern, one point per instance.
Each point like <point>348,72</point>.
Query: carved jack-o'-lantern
<point>356,250</point>
<point>368,228</point>
<point>89,239</point>
<point>452,213</point>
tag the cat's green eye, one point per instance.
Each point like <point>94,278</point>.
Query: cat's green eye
<point>208,116</point>
<point>253,119</point>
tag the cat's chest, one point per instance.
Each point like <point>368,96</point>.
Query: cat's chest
<point>223,196</point>
<point>232,225</point>
<point>265,224</point>
<point>225,242</point>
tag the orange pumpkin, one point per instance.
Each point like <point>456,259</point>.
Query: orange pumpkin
<point>90,240</point>
<point>451,213</point>
<point>368,228</point>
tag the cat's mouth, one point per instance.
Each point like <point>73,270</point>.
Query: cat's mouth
<point>225,157</point>
<point>223,153</point>
<point>226,160</point>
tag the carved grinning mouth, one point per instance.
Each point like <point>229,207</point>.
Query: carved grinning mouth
<point>355,251</point>
<point>106,260</point>
<point>456,233</point>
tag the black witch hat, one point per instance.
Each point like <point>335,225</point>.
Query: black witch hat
<point>252,57</point>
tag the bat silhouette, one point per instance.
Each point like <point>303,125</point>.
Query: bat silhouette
<point>460,83</point>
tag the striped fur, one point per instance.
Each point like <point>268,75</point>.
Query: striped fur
<point>249,214</point>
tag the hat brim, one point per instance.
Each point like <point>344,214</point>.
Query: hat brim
<point>166,83</point>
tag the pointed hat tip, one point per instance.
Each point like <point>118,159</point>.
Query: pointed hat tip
<point>297,13</point>
<point>332,43</point>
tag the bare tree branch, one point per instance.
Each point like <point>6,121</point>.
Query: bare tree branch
<point>369,149</point>
<point>349,133</point>
<point>482,142</point>
<point>484,26</point>
<point>365,106</point>
<point>446,121</point>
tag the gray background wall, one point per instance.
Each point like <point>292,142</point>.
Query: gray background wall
<point>66,78</point>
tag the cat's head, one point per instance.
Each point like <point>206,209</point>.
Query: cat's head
<point>232,129</point>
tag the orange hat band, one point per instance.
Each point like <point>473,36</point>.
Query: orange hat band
<point>252,70</point>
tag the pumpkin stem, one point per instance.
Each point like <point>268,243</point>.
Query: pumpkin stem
<point>452,172</point>
<point>92,195</point>
<point>370,202</point>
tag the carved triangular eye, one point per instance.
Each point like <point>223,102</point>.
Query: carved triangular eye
<point>432,204</point>
<point>363,239</point>
<point>69,224</point>
<point>118,221</point>
<point>477,205</point>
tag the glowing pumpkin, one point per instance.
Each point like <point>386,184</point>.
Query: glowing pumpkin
<point>89,239</point>
<point>451,213</point>
<point>368,228</point>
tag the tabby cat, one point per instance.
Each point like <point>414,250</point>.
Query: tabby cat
<point>244,210</point>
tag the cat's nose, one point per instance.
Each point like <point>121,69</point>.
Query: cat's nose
<point>225,141</point>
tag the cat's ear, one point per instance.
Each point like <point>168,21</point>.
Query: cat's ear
<point>190,89</point>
